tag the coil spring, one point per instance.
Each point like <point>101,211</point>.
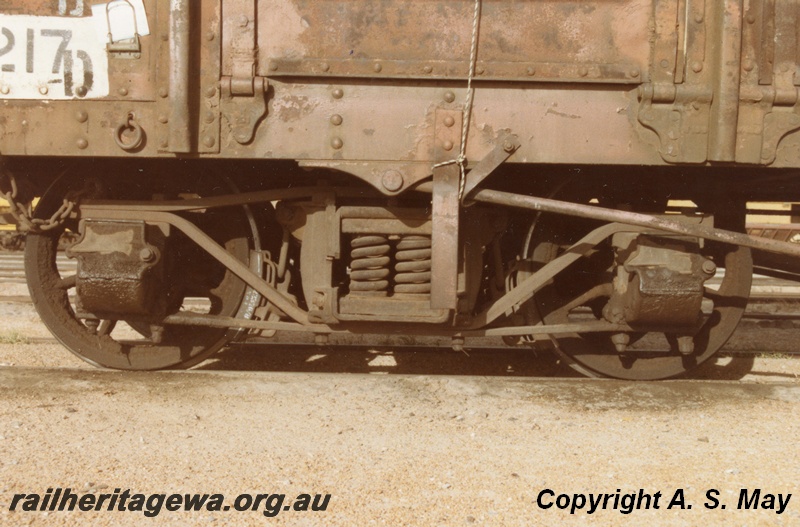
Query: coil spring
<point>413,265</point>
<point>369,265</point>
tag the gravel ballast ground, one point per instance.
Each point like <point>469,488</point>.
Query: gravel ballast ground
<point>411,437</point>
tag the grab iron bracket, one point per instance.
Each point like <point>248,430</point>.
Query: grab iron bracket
<point>504,148</point>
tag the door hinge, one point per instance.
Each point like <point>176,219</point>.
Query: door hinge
<point>244,104</point>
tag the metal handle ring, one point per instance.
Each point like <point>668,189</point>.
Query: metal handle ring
<point>138,134</point>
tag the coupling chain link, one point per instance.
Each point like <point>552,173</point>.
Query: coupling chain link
<point>22,211</point>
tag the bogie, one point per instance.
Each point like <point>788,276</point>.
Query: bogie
<point>332,167</point>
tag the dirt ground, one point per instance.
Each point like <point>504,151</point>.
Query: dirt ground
<point>396,436</point>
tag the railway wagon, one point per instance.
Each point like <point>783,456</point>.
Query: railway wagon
<point>455,168</point>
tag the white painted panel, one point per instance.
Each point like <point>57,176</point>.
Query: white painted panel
<point>51,58</point>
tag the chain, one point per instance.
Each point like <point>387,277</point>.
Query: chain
<point>461,160</point>
<point>22,212</point>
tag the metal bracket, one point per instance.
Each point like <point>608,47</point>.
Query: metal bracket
<point>244,112</point>
<point>679,115</point>
<point>503,150</point>
<point>243,94</point>
<point>124,49</point>
<point>446,211</point>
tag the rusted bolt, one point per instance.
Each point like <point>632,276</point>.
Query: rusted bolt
<point>147,255</point>
<point>664,63</point>
<point>508,146</point>
<point>81,91</point>
<point>377,68</point>
<point>209,141</point>
<point>583,71</point>
<point>211,91</point>
<point>92,324</point>
<point>531,71</point>
<point>428,69</point>
<point>81,116</point>
<point>751,18</point>
<point>163,119</point>
<point>614,314</point>
<point>337,143</point>
<point>318,301</point>
<point>392,180</point>
<point>243,21</point>
<point>336,119</point>
<point>209,117</point>
<point>5,90</point>
<point>43,90</point>
<point>210,36</point>
<point>480,70</point>
<point>748,65</point>
<point>156,333</point>
<point>273,66</point>
<point>449,121</point>
<point>325,66</point>
<point>449,96</point>
<point>165,36</point>
<point>337,93</point>
<point>699,18</point>
<point>634,72</point>
<point>686,345</point>
<point>709,267</point>
<point>163,93</point>
<point>123,91</point>
<point>697,67</point>
<point>447,145</point>
<point>164,144</point>
<point>82,143</point>
<point>621,341</point>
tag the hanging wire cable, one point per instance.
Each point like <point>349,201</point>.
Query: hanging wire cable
<point>461,160</point>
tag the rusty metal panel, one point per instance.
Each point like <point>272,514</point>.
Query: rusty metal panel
<point>580,40</point>
<point>567,72</point>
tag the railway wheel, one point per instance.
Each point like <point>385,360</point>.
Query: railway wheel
<point>581,291</point>
<point>133,346</point>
